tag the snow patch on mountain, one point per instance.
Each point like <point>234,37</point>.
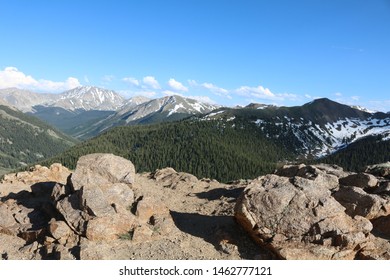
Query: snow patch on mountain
<point>319,140</point>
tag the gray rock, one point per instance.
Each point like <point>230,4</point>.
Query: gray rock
<point>102,169</point>
<point>70,209</point>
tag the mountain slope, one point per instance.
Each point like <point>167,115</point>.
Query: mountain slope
<point>24,100</point>
<point>315,129</point>
<point>206,149</point>
<point>165,109</point>
<point>89,98</point>
<point>25,139</point>
<point>366,151</point>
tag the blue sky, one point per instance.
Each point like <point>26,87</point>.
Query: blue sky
<point>228,52</point>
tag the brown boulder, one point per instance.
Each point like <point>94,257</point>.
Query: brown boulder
<point>102,169</point>
<point>324,175</point>
<point>281,212</point>
<point>358,202</point>
<point>360,180</point>
<point>168,177</point>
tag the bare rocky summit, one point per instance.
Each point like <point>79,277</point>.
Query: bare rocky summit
<point>105,210</point>
<point>317,212</point>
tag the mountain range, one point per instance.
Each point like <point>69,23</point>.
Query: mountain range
<point>309,132</point>
<point>85,112</point>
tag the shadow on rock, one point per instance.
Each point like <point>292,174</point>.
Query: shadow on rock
<point>221,231</point>
<point>220,192</point>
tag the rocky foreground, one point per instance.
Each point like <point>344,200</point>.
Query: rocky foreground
<point>104,210</point>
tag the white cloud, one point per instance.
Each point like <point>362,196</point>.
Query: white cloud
<point>308,96</point>
<point>258,92</point>
<point>204,99</point>
<point>151,82</point>
<point>175,85</point>
<point>261,92</point>
<point>131,80</point>
<point>214,88</point>
<point>338,94</point>
<point>12,77</point>
<point>86,79</point>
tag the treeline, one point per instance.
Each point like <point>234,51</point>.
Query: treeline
<point>220,150</point>
<point>358,155</point>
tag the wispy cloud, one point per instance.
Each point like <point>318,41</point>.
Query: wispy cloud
<point>175,85</point>
<point>212,88</point>
<point>263,93</point>
<point>151,82</point>
<point>131,80</point>
<point>12,77</point>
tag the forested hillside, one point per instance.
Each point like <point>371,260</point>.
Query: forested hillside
<point>25,139</point>
<point>209,149</point>
<point>358,155</point>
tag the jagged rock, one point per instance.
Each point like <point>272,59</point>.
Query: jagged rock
<point>60,231</point>
<point>382,170</point>
<point>110,227</point>
<point>69,208</point>
<point>281,212</point>
<point>325,175</point>
<point>102,169</point>
<point>358,202</point>
<point>168,177</point>
<point>360,180</point>
<point>59,192</point>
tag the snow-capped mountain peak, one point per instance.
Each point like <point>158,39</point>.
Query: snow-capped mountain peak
<point>90,98</point>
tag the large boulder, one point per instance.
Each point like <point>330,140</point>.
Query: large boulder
<point>358,202</point>
<point>324,175</point>
<point>298,218</point>
<point>168,177</point>
<point>102,169</point>
<point>360,180</point>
